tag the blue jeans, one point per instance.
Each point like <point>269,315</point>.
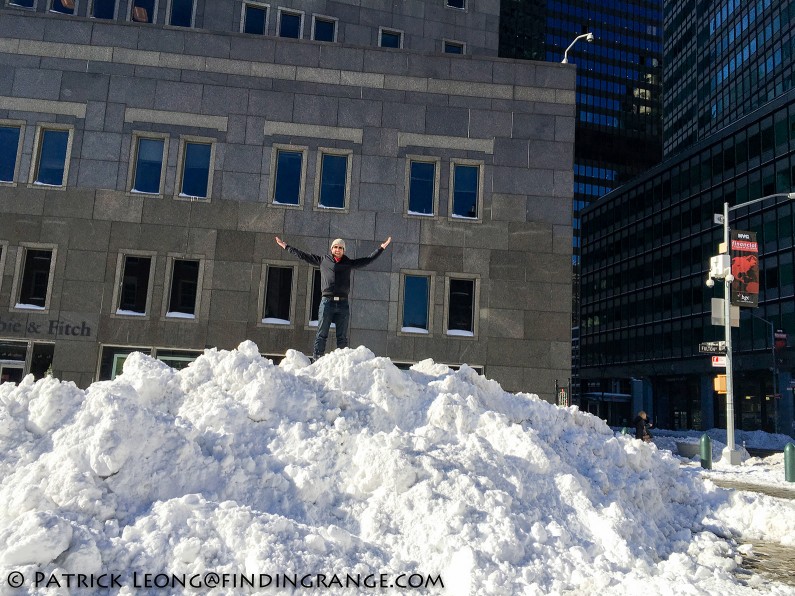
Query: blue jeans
<point>331,311</point>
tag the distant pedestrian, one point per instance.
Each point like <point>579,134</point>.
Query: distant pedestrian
<point>335,285</point>
<point>642,426</point>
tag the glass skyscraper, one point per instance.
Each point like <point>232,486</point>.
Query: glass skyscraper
<point>729,137</point>
<point>645,305</point>
<point>723,60</point>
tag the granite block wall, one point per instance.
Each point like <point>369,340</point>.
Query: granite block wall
<point>112,82</point>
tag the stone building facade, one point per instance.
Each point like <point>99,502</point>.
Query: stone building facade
<point>145,169</point>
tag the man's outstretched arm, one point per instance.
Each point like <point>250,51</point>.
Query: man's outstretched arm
<point>356,263</point>
<point>310,258</point>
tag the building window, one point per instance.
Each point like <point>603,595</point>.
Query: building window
<point>149,156</point>
<point>111,362</point>
<point>460,4</point>
<point>53,146</point>
<point>390,38</point>
<point>103,9</point>
<point>324,28</point>
<point>333,180</point>
<point>181,13</point>
<point>184,289</point>
<point>465,189</point>
<point>255,19</point>
<point>461,307</point>
<point>10,148</point>
<point>177,359</point>
<point>35,270</point>
<point>196,158</point>
<point>15,354</point>
<point>291,24</point>
<point>453,47</point>
<point>63,6</point>
<point>287,174</point>
<point>278,295</point>
<point>416,316</point>
<point>423,184</point>
<point>143,11</point>
<point>23,3</point>
<point>134,284</point>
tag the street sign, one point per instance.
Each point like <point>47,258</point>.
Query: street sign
<point>712,347</point>
<point>719,361</point>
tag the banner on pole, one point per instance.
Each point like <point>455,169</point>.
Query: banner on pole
<point>745,268</point>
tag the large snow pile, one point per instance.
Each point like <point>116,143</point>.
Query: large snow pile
<point>342,471</point>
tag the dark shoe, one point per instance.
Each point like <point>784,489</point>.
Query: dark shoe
<point>313,358</point>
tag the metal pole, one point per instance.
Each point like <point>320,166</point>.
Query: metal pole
<point>773,353</point>
<point>727,327</point>
<point>775,376</point>
<point>730,454</point>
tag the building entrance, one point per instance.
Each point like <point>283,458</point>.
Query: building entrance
<point>678,403</point>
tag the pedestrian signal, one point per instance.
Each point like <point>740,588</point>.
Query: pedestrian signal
<point>719,383</point>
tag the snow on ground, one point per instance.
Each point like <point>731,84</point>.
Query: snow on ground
<point>765,471</point>
<point>350,470</point>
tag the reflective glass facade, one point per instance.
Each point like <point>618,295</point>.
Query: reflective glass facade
<point>723,59</point>
<point>646,250</point>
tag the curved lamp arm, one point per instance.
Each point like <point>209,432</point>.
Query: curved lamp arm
<point>587,36</point>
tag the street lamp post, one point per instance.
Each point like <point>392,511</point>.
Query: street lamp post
<point>586,36</point>
<point>730,453</point>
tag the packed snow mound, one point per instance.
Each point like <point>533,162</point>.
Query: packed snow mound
<point>346,466</point>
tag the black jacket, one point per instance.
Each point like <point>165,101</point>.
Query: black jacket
<point>335,278</point>
<point>640,427</point>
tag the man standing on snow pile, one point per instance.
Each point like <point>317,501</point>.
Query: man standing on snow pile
<point>335,284</point>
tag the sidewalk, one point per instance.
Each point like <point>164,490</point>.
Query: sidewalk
<point>773,491</point>
<point>771,561</point>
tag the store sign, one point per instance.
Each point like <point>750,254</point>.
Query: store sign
<point>23,326</point>
<point>745,268</point>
